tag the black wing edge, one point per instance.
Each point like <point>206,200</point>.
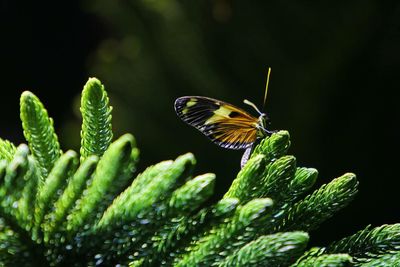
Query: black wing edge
<point>180,104</point>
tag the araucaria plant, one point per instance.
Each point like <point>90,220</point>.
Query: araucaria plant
<point>63,208</point>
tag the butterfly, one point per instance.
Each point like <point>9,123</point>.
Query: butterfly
<point>224,124</point>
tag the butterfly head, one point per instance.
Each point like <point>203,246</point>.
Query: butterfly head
<point>263,120</point>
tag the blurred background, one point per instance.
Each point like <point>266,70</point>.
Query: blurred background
<point>334,83</point>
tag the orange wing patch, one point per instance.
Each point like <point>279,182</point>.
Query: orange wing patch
<point>225,124</point>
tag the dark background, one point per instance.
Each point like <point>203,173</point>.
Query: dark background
<point>334,82</point>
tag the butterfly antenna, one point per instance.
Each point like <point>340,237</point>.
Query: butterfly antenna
<point>247,102</point>
<point>266,88</point>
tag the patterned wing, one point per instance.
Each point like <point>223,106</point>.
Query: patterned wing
<point>225,124</point>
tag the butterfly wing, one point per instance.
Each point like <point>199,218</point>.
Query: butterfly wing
<point>225,124</point>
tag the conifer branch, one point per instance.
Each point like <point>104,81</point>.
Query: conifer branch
<point>134,206</point>
<point>369,242</point>
<point>148,210</point>
<point>126,199</point>
<point>179,232</point>
<point>63,168</point>
<point>273,146</point>
<point>13,252</point>
<point>191,195</point>
<point>326,260</point>
<point>39,132</point>
<point>277,178</point>
<point>390,260</point>
<point>26,204</point>
<point>208,249</point>
<point>16,170</point>
<point>183,202</point>
<point>96,130</point>
<point>245,186</point>
<point>322,204</point>
<point>7,150</point>
<point>303,181</point>
<point>72,192</point>
<point>14,182</point>
<point>17,247</point>
<point>112,174</point>
<point>279,249</point>
<point>311,253</point>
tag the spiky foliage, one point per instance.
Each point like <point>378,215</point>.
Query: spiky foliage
<point>65,209</point>
<point>369,243</point>
<point>268,251</point>
<point>7,150</point>
<point>328,260</point>
<point>39,132</point>
<point>96,119</point>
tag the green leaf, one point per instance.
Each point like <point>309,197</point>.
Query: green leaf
<point>72,192</point>
<point>179,232</point>
<point>39,132</point>
<point>13,251</point>
<point>245,186</point>
<point>303,181</point>
<point>277,178</point>
<point>14,181</point>
<point>386,260</point>
<point>112,174</point>
<point>146,213</point>
<point>96,130</point>
<point>151,187</point>
<point>183,201</point>
<point>7,150</point>
<point>310,212</point>
<point>208,249</point>
<point>276,250</point>
<point>16,171</point>
<point>369,242</point>
<point>26,204</point>
<point>326,260</point>
<point>124,200</point>
<point>273,146</point>
<point>64,167</point>
<point>191,195</point>
<point>253,180</point>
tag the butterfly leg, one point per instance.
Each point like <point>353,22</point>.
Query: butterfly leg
<point>269,132</point>
<point>246,156</point>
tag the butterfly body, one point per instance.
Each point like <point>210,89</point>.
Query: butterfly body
<point>224,124</point>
